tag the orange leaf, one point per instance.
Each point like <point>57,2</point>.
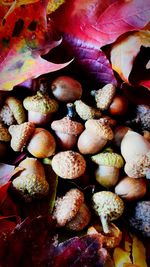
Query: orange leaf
<point>125,51</point>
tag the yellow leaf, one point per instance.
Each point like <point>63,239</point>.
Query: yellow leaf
<point>124,52</point>
<point>138,252</point>
<point>53,5</point>
<point>121,257</point>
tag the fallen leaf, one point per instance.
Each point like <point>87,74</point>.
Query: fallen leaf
<point>83,251</point>
<point>138,252</point>
<point>133,254</point>
<point>7,205</point>
<point>100,22</point>
<point>121,257</point>
<point>53,5</point>
<point>21,48</point>
<point>125,51</point>
<point>6,171</point>
<point>30,243</point>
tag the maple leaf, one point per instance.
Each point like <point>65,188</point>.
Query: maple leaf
<point>124,53</point>
<point>23,43</point>
<point>101,22</point>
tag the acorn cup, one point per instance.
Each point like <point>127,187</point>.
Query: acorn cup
<point>40,107</point>
<point>104,96</point>
<point>4,139</point>
<point>67,129</point>
<point>12,112</point>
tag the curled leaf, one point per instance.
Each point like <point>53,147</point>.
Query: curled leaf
<point>125,51</point>
<point>100,22</point>
<point>28,37</point>
<point>6,171</point>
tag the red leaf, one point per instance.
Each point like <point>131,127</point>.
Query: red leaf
<point>24,37</point>
<point>7,206</point>
<point>100,22</point>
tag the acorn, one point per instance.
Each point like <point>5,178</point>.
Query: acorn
<point>4,138</point>
<point>40,108</point>
<point>42,143</point>
<point>119,133</point>
<point>136,151</point>
<point>108,206</point>
<point>71,211</point>
<point>66,89</point>
<point>119,106</point>
<point>67,130</point>
<point>131,189</point>
<point>95,136</point>
<point>109,164</point>
<point>104,96</point>
<point>85,111</point>
<point>20,135</point>
<point>31,183</point>
<point>68,164</point>
<point>12,112</point>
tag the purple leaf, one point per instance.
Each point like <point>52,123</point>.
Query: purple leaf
<point>93,60</point>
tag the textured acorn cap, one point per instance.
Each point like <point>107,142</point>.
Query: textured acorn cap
<point>4,134</point>
<point>108,159</point>
<point>6,115</point>
<point>68,164</point>
<point>139,166</point>
<point>86,112</point>
<point>67,206</point>
<point>20,135</point>
<point>31,185</point>
<point>68,126</point>
<point>40,103</point>
<point>81,220</point>
<point>17,109</point>
<point>104,96</point>
<point>108,203</point>
<point>100,128</point>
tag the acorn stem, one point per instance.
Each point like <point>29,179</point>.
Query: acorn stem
<point>93,92</point>
<point>104,221</point>
<point>43,86</point>
<point>70,110</point>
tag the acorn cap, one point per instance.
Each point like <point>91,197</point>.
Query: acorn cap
<point>17,109</point>
<point>100,127</point>
<point>139,167</point>
<point>68,126</point>
<point>108,159</point>
<point>68,164</point>
<point>20,135</point>
<point>104,96</point>
<point>40,103</point>
<point>4,134</point>
<point>86,112</point>
<point>6,115</point>
<point>67,206</point>
<point>31,185</point>
<point>109,204</point>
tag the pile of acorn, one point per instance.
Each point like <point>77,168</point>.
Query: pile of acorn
<point>120,155</point>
